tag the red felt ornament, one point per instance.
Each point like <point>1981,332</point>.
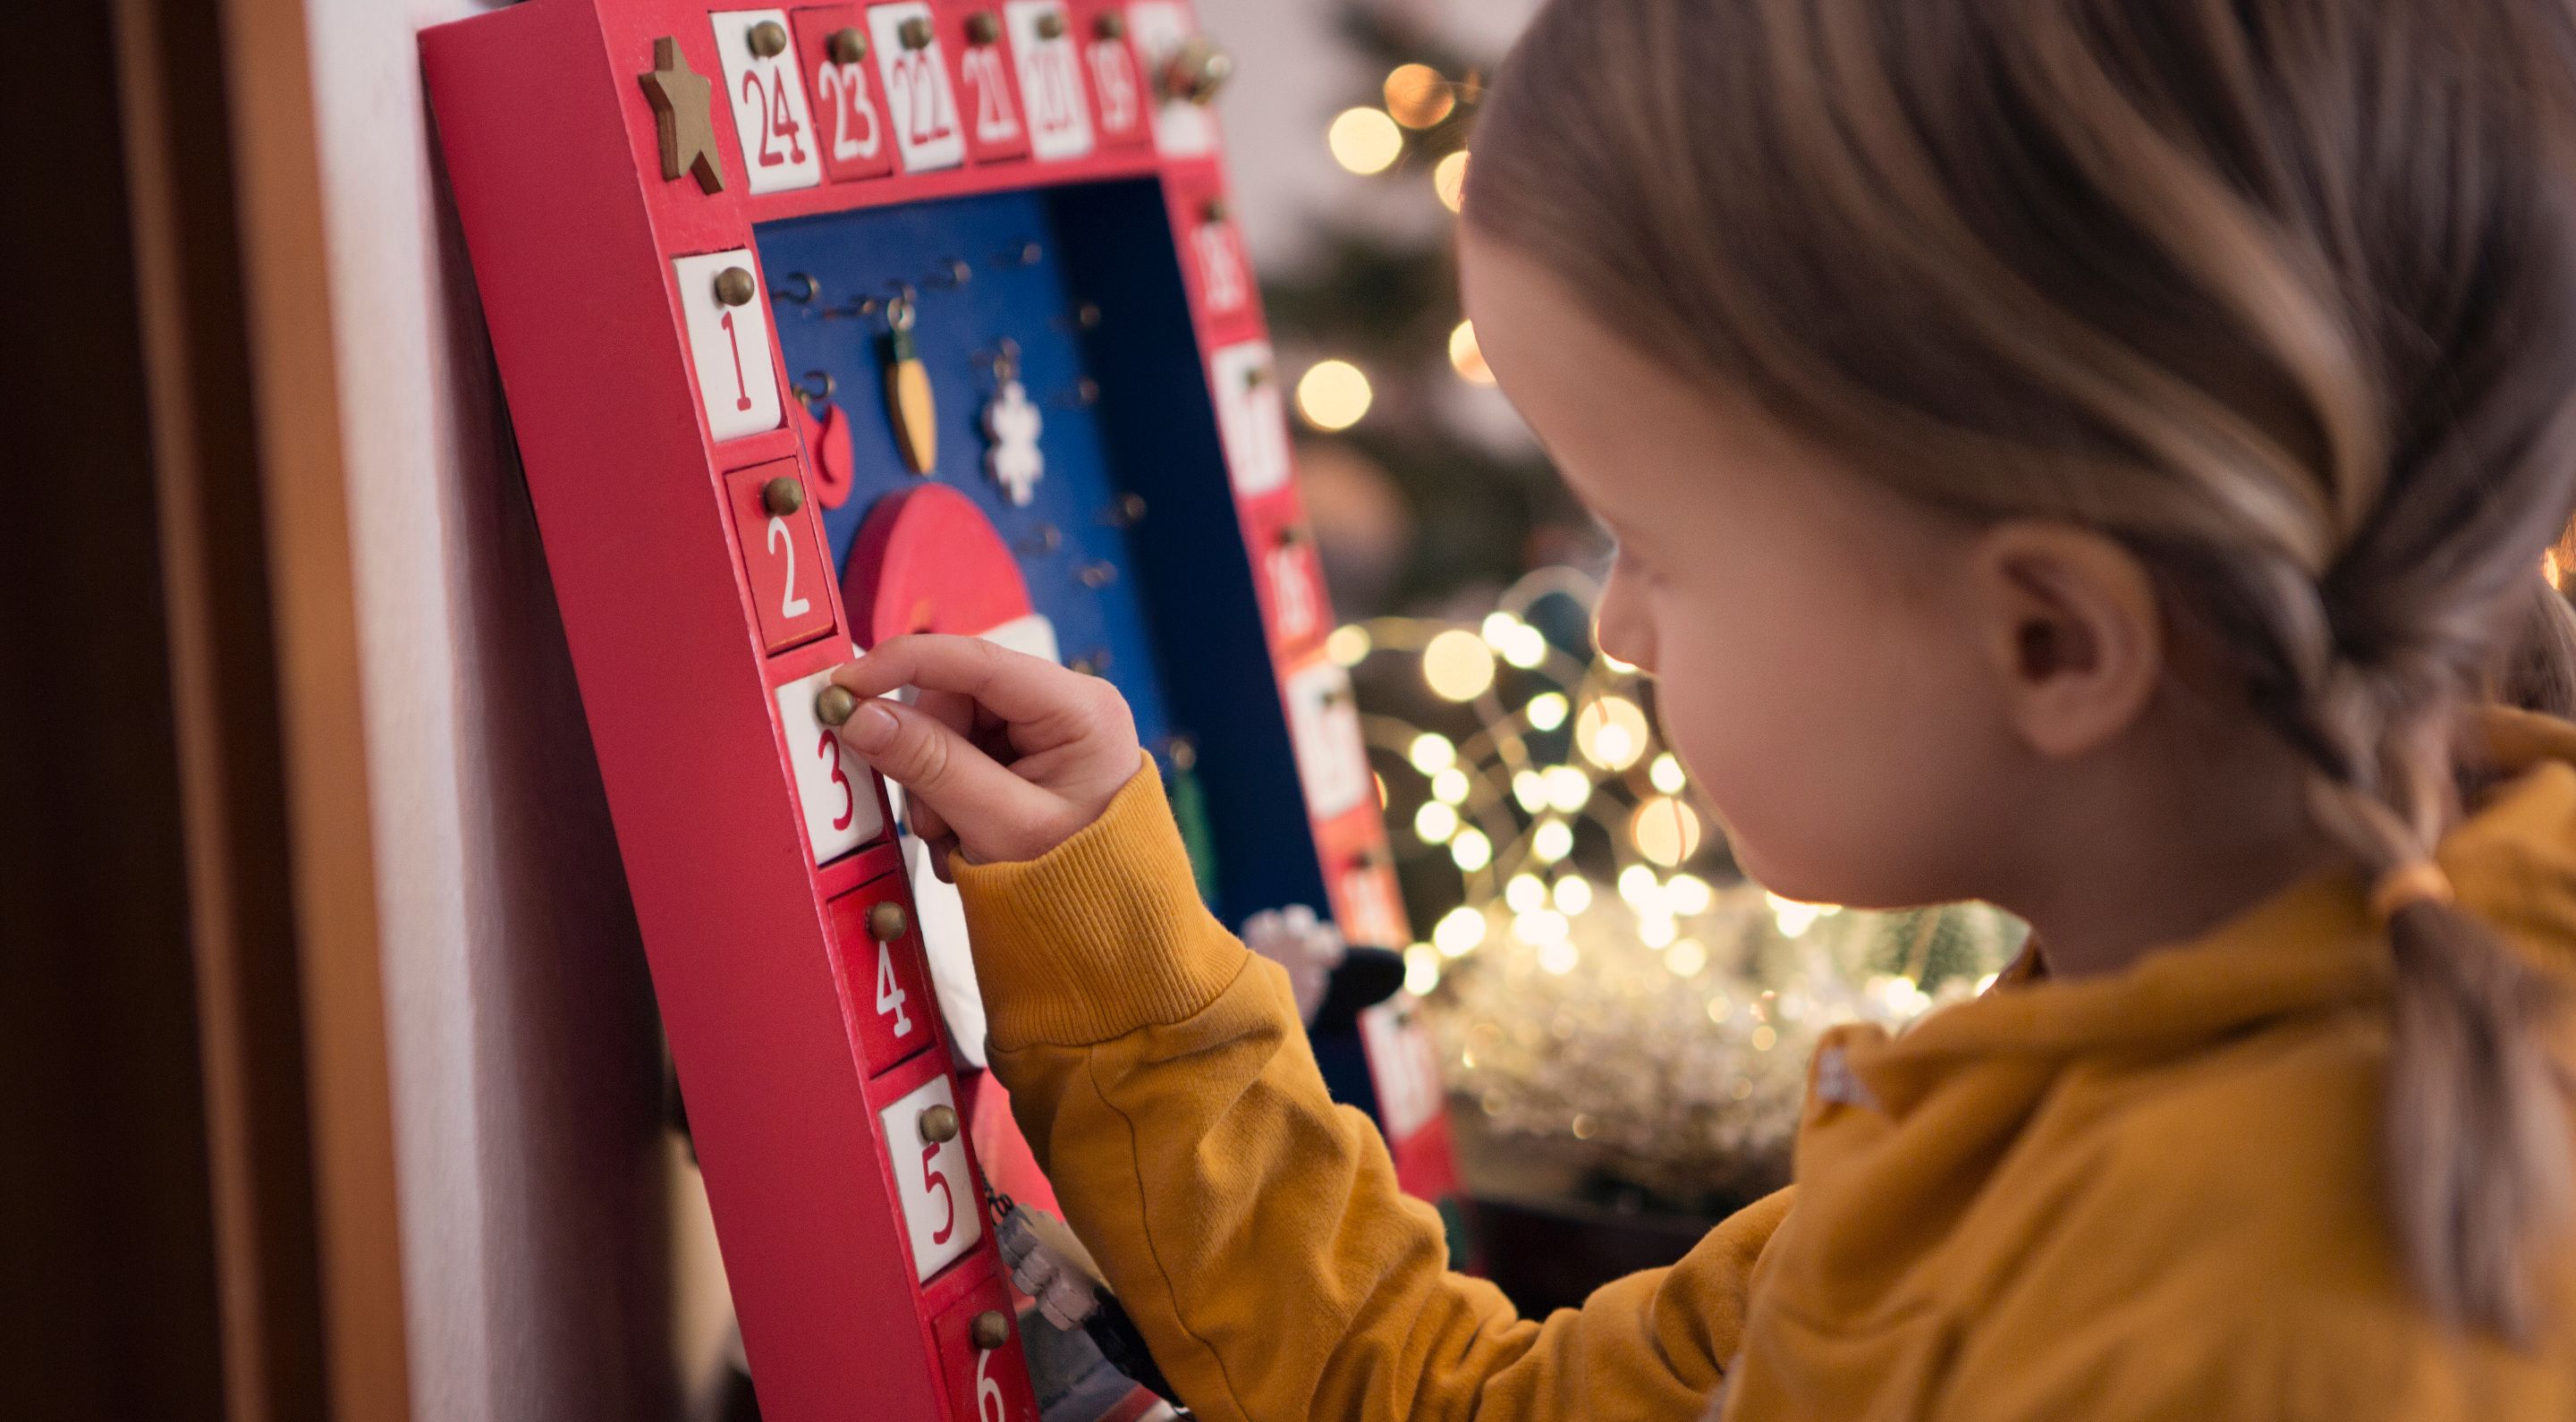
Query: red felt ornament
<point>827,440</point>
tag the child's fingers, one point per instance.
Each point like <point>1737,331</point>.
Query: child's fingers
<point>978,798</point>
<point>1012,685</point>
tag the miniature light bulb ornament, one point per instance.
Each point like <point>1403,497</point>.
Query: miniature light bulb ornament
<point>1012,423</point>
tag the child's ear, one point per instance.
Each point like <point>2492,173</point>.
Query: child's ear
<point>2071,627</point>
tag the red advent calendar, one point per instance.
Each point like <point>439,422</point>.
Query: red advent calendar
<point>828,323</point>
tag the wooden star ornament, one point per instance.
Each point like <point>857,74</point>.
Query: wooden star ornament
<point>681,117</point>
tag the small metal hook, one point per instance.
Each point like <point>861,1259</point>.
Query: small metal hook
<point>1047,539</point>
<point>812,289</point>
<point>860,309</point>
<point>1126,512</point>
<point>1098,575</point>
<point>805,387</point>
<point>1084,394</point>
<point>1085,317</point>
<point>955,272</point>
<point>901,308</point>
<point>1026,254</point>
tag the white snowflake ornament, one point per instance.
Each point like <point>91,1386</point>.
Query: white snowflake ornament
<point>1012,423</point>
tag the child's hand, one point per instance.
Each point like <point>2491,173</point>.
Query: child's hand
<point>1004,755</point>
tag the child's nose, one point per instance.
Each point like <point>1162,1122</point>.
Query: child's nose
<point>1621,628</point>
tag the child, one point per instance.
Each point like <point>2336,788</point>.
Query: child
<point>2095,456</point>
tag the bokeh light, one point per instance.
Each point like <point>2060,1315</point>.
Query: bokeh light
<point>1611,732</point>
<point>1665,830</point>
<point>1417,97</point>
<point>1364,140</point>
<point>1466,357</point>
<point>1449,180</point>
<point>1458,665</point>
<point>1334,395</point>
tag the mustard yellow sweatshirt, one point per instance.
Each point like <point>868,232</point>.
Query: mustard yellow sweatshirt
<point>2147,1195</point>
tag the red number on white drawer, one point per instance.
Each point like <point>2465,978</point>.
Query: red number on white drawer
<point>768,100</point>
<point>839,817</point>
<point>918,101</point>
<point>890,993</point>
<point>931,1180</point>
<point>941,1224</point>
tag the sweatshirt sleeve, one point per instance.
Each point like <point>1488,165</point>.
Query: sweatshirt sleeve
<point>1253,1228</point>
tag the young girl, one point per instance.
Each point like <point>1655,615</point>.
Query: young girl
<point>2095,456</point>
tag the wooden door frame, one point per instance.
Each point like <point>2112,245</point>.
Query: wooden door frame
<point>241,388</point>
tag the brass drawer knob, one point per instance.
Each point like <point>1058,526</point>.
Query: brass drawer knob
<point>834,706</point>
<point>983,28</point>
<point>769,39</point>
<point>1051,25</point>
<point>783,495</point>
<point>1110,26</point>
<point>990,1330</point>
<point>886,922</point>
<point>734,287</point>
<point>939,1124</point>
<point>1197,70</point>
<point>916,33</point>
<point>847,46</point>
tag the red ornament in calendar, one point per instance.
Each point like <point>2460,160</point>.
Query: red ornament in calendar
<point>988,92</point>
<point>851,127</point>
<point>825,428</point>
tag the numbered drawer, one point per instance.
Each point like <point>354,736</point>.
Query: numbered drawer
<point>1251,417</point>
<point>988,86</point>
<point>912,73</point>
<point>1367,901</point>
<point>1292,583</point>
<point>878,939</point>
<point>1161,31</point>
<point>943,1206</point>
<point>1046,55</point>
<point>1122,114</point>
<point>852,133</point>
<point>771,121</point>
<point>1324,725</point>
<point>1218,268</point>
<point>841,800</point>
<point>727,318</point>
<point>979,1346</point>
<point>1404,1065</point>
<point>782,553</point>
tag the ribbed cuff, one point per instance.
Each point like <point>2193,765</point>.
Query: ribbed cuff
<point>1099,936</point>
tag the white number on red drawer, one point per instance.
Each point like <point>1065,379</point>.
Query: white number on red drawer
<point>769,115</point>
<point>1181,129</point>
<point>1050,78</point>
<point>918,102</point>
<point>782,544</point>
<point>1250,416</point>
<point>890,994</point>
<point>1114,81</point>
<point>940,1211</point>
<point>1325,726</point>
<point>729,345</point>
<point>1221,275</point>
<point>849,114</point>
<point>832,785</point>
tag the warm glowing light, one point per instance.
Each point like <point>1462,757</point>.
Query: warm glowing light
<point>1665,830</point>
<point>1559,958</point>
<point>1666,774</point>
<point>1720,1008</point>
<point>1417,97</point>
<point>1689,894</point>
<point>1435,822</point>
<point>1458,665</point>
<point>1616,665</point>
<point>1380,782</point>
<point>1528,647</point>
<point>1458,932</point>
<point>1496,629</point>
<point>1530,788</point>
<point>1686,957</point>
<point>1639,886</point>
<point>1450,786</point>
<point>1524,893</point>
<point>1546,711</point>
<point>1552,841</point>
<point>1471,851</point>
<point>1541,926</point>
<point>1573,893</point>
<point>1449,180</point>
<point>1333,395</point>
<point>1764,1039</point>
<point>1364,140</point>
<point>1657,931</point>
<point>1348,646</point>
<point>1421,969</point>
<point>1567,788</point>
<point>1467,358</point>
<point>1792,917</point>
<point>2549,567</point>
<point>1431,753</point>
<point>1611,732</point>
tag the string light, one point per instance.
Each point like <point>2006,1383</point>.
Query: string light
<point>1573,894</point>
<point>1459,932</point>
<point>1334,395</point>
<point>1458,665</point>
<point>1546,711</point>
<point>1792,917</point>
<point>1524,893</point>
<point>1639,886</point>
<point>1435,822</point>
<point>1689,895</point>
<point>1686,957</point>
<point>1541,926</point>
<point>1552,841</point>
<point>1665,830</point>
<point>1611,732</point>
<point>1449,180</point>
<point>1421,969</point>
<point>1348,645</point>
<point>1417,97</point>
<point>1559,958</point>
<point>1468,358</point>
<point>1364,140</point>
<point>1450,786</point>
<point>1530,789</point>
<point>1471,850</point>
<point>1568,789</point>
<point>1432,753</point>
<point>1666,774</point>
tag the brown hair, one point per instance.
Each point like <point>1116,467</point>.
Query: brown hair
<point>2281,293</point>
